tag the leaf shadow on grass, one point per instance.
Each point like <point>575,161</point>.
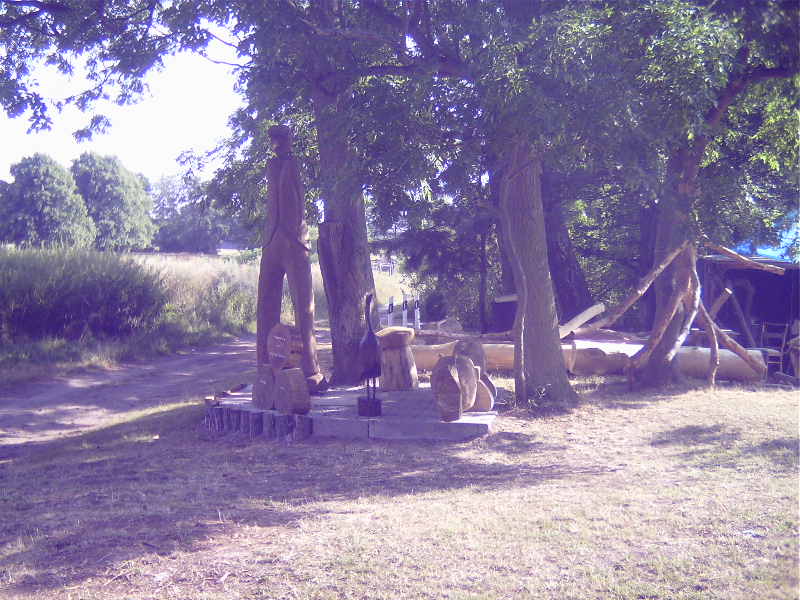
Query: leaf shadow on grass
<point>721,446</point>
<point>79,508</point>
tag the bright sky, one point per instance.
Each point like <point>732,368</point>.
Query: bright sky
<point>186,109</point>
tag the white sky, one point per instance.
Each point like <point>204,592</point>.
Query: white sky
<point>186,108</point>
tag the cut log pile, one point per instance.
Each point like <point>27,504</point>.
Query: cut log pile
<point>599,361</point>
<point>732,362</point>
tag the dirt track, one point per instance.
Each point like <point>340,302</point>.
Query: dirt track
<point>42,410</point>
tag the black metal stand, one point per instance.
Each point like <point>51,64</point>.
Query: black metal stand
<point>369,407</point>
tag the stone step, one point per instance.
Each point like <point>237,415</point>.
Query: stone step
<point>406,415</point>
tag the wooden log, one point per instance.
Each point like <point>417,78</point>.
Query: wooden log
<point>499,357</point>
<point>398,369</point>
<point>291,392</point>
<point>695,362</point>
<point>588,361</point>
<point>736,348</point>
<point>713,344</point>
<point>454,386</point>
<point>426,357</point>
<point>395,337</point>
<point>578,320</point>
<point>659,328</point>
<point>284,347</point>
<point>434,335</point>
<point>594,361</point>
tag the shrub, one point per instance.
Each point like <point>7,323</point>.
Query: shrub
<point>75,293</point>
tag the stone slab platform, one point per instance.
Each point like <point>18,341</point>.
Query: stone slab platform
<point>406,415</point>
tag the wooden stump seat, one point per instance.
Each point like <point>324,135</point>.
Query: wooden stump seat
<point>398,369</point>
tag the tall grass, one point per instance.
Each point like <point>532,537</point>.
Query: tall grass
<point>75,294</point>
<point>85,307</point>
<point>206,294</point>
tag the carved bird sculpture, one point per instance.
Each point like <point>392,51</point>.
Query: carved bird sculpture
<point>369,353</point>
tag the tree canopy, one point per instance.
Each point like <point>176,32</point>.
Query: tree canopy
<point>117,201</point>
<point>42,207</point>
<point>620,127</point>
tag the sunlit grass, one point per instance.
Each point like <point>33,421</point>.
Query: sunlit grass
<point>688,495</point>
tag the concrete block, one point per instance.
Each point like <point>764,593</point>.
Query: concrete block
<point>252,421</point>
<point>344,428</point>
<point>303,427</point>
<point>268,427</point>
<point>284,424</point>
<point>413,429</point>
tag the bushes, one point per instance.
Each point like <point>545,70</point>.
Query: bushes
<point>160,302</point>
<point>74,294</point>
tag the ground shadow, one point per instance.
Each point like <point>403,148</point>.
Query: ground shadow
<point>78,508</point>
<point>722,446</point>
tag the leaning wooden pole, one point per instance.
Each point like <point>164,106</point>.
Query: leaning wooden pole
<point>644,284</point>
<point>691,302</point>
<point>743,260</point>
<point>759,367</point>
<point>713,343</point>
<point>719,302</point>
<point>660,328</point>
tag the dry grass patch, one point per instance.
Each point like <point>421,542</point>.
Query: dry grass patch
<point>689,494</point>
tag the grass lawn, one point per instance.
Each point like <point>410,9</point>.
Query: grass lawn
<point>687,494</point>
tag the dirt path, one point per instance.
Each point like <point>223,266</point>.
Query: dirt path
<point>65,405</point>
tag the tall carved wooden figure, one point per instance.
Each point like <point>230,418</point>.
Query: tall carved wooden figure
<point>286,252</point>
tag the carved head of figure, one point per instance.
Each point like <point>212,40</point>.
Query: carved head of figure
<point>280,137</point>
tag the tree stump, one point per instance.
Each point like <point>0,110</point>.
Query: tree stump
<point>291,392</point>
<point>284,347</point>
<point>398,369</point>
<point>454,385</point>
<point>264,388</point>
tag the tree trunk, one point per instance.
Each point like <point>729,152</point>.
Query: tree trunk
<point>543,371</point>
<point>571,290</point>
<point>506,269</point>
<point>343,249</point>
<point>484,270</point>
<point>672,224</point>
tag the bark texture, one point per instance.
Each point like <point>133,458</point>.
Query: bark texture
<point>571,290</point>
<point>540,372</point>
<point>343,249</point>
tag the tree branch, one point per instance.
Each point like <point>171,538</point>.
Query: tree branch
<point>743,260</point>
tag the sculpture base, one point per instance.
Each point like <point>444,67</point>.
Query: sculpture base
<point>369,407</point>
